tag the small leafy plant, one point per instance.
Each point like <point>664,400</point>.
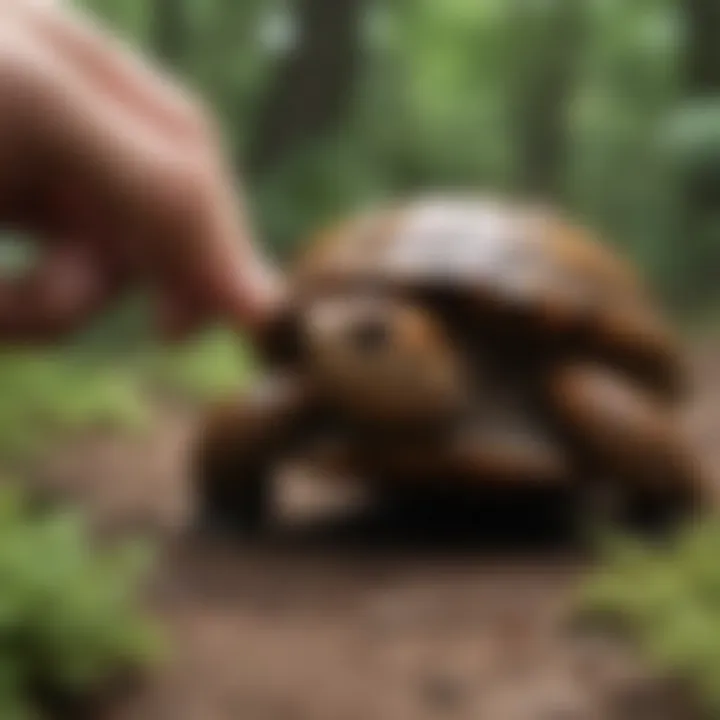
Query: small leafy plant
<point>205,369</point>
<point>667,601</point>
<point>47,393</point>
<point>70,621</point>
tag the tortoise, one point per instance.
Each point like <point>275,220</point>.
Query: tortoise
<point>458,344</point>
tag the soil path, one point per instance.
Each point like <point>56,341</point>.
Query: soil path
<point>337,617</point>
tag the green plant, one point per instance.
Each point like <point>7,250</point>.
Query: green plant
<point>45,393</point>
<point>207,368</point>
<point>69,615</point>
<point>666,599</point>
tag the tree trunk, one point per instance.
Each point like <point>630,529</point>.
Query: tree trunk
<point>547,84</point>
<point>313,86</point>
<point>703,48</point>
<point>169,31</point>
<point>700,258</point>
<point>702,80</point>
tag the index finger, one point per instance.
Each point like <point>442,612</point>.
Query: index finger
<point>179,209</point>
<point>104,59</point>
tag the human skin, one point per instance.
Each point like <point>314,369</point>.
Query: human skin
<point>118,174</point>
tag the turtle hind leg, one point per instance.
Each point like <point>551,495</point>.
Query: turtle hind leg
<point>237,453</point>
<point>633,441</point>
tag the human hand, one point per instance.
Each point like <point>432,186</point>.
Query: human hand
<point>118,174</point>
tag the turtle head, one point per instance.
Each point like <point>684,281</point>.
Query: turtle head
<point>384,359</point>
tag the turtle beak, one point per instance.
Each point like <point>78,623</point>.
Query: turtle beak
<point>383,359</point>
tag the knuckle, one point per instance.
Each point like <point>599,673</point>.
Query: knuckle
<point>181,186</point>
<point>199,124</point>
<point>17,88</point>
<point>25,87</point>
<point>14,63</point>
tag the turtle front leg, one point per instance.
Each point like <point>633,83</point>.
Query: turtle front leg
<point>240,444</point>
<point>633,441</point>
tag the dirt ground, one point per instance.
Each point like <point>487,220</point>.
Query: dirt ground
<point>341,616</point>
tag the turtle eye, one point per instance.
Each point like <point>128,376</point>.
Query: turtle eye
<point>370,335</point>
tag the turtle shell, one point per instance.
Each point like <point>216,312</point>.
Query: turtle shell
<point>505,261</point>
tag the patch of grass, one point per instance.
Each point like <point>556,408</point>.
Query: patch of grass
<point>69,616</point>
<point>667,601</point>
<point>69,622</point>
<point>45,393</point>
<point>211,366</point>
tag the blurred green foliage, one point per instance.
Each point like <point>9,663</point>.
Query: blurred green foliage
<point>667,600</point>
<point>592,103</point>
<point>203,370</point>
<point>45,394</point>
<point>464,93</point>
<point>49,396</point>
<point>70,623</point>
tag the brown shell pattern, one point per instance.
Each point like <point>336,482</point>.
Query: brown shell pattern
<point>500,255</point>
<point>487,246</point>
